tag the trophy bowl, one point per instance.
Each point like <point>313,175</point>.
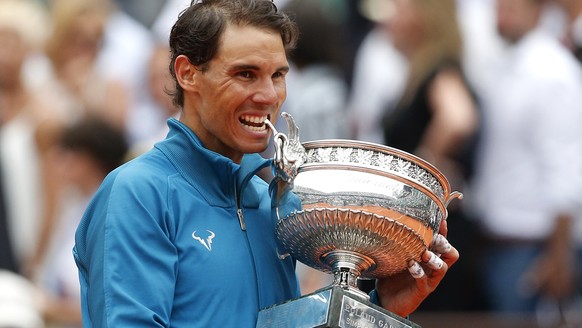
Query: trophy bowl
<point>364,207</point>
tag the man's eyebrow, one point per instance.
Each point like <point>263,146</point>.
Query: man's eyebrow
<point>245,67</point>
<point>283,69</point>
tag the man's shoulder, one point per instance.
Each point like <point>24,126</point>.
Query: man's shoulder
<point>139,182</point>
<point>153,164</point>
<point>149,171</point>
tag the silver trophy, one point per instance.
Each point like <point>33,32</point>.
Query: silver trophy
<point>354,209</point>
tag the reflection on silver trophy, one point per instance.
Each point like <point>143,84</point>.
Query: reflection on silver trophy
<point>355,210</point>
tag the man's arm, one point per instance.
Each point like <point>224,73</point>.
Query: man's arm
<point>132,261</point>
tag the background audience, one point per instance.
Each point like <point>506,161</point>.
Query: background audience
<point>489,91</point>
<point>527,178</point>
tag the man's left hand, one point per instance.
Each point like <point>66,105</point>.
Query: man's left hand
<point>404,292</point>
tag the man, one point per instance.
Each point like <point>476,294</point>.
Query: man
<point>528,180</point>
<point>183,236</point>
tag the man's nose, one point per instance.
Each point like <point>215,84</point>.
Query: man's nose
<point>266,93</point>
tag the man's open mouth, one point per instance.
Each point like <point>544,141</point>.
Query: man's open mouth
<point>254,123</point>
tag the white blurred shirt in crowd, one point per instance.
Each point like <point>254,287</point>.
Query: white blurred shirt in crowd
<point>529,167</point>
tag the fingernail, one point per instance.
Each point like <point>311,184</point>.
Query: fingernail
<point>415,270</point>
<point>435,262</point>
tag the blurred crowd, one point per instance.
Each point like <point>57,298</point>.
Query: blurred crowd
<point>489,91</point>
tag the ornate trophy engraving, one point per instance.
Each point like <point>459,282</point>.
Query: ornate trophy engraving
<point>355,210</point>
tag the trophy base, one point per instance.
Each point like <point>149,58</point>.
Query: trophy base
<point>330,307</point>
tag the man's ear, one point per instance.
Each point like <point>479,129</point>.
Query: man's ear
<point>185,72</point>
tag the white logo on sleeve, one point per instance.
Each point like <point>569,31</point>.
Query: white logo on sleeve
<point>205,242</point>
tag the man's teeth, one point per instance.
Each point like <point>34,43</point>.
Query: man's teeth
<point>256,128</point>
<point>254,123</point>
<point>254,119</point>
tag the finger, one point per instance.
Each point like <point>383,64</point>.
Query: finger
<point>433,261</point>
<point>441,245</point>
<point>444,228</point>
<point>451,256</point>
<point>438,268</point>
<point>415,269</point>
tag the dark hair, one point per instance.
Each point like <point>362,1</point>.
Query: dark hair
<point>198,30</point>
<point>105,143</point>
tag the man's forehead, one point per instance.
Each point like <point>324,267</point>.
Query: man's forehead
<point>240,44</point>
<point>236,32</point>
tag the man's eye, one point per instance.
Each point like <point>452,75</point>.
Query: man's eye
<point>246,74</point>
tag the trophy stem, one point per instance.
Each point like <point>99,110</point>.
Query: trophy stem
<point>347,267</point>
<point>345,278</point>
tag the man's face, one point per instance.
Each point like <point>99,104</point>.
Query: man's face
<point>243,85</point>
<point>515,18</point>
<point>405,27</point>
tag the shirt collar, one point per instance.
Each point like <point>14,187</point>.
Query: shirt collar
<point>216,173</point>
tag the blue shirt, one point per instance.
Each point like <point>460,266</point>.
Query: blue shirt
<point>162,245</point>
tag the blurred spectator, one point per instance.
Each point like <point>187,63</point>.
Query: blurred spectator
<point>316,89</point>
<point>88,151</point>
<point>528,180</point>
<point>436,114</point>
<point>480,39</point>
<point>436,118</point>
<point>22,27</point>
<point>379,75</point>
<point>380,71</point>
<point>123,57</point>
<point>75,85</point>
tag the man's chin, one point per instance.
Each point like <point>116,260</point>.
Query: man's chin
<point>257,148</point>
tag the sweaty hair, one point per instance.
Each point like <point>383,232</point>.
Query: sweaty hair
<point>199,28</point>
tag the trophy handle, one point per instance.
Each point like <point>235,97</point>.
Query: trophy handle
<point>453,195</point>
<point>289,156</point>
<point>289,153</point>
